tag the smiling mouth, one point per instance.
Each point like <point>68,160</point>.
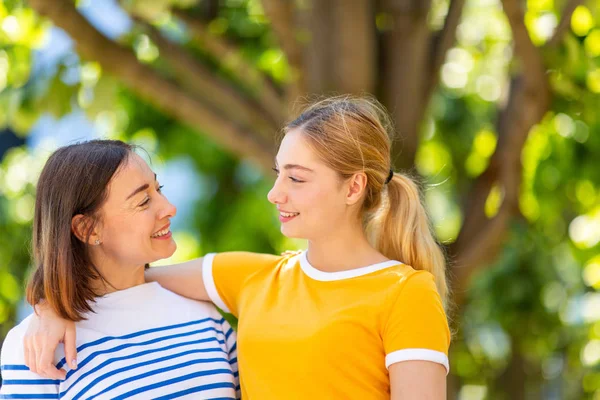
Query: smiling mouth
<point>163,232</point>
<point>287,214</point>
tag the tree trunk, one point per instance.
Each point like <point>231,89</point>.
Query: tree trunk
<point>340,55</point>
<point>513,379</point>
<point>405,73</point>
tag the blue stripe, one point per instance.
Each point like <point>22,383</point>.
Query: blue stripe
<point>143,353</point>
<point>199,389</point>
<point>29,396</point>
<point>233,348</point>
<point>158,371</point>
<point>229,332</point>
<point>233,360</point>
<point>128,368</point>
<point>30,382</point>
<point>11,367</point>
<point>222,398</point>
<point>177,380</point>
<point>128,345</point>
<point>136,334</point>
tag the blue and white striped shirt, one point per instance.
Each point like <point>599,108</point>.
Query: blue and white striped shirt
<point>141,343</point>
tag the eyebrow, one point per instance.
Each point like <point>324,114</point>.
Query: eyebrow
<point>140,189</point>
<point>296,166</point>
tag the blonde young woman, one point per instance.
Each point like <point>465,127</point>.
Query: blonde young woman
<point>360,314</point>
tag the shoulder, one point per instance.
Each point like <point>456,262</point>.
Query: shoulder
<point>404,277</point>
<point>174,302</point>
<point>234,265</point>
<point>414,289</point>
<point>246,257</point>
<point>12,346</point>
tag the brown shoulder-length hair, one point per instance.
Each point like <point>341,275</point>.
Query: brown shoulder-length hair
<point>74,181</point>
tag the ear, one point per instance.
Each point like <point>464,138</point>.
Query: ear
<point>81,226</point>
<point>356,188</point>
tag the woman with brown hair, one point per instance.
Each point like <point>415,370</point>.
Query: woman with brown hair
<point>100,218</point>
<point>360,314</point>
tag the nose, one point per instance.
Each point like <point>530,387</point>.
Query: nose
<point>167,210</point>
<point>277,195</point>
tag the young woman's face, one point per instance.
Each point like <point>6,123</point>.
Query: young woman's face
<point>135,219</point>
<point>310,196</point>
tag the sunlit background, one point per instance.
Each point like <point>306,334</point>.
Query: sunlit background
<point>531,324</point>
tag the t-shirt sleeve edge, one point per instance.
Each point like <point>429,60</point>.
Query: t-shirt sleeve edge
<point>209,282</point>
<point>417,355</point>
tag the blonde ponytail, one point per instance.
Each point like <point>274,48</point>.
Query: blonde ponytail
<point>400,229</point>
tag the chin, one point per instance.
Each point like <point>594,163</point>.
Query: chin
<point>290,232</point>
<point>172,249</point>
<point>166,253</point>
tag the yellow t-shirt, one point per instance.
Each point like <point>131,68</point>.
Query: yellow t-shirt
<point>308,334</point>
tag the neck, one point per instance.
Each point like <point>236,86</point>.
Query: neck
<point>117,276</point>
<point>342,250</point>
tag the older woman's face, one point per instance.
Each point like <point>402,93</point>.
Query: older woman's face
<point>135,219</point>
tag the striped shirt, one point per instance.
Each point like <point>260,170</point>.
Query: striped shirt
<point>141,343</point>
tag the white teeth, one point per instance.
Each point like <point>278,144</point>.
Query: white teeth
<point>288,215</point>
<point>161,233</point>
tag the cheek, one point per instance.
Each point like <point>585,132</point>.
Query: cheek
<point>130,229</point>
<point>320,204</point>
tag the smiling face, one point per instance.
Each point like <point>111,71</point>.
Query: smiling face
<point>311,197</point>
<point>135,219</point>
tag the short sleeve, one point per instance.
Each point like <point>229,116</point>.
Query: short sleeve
<point>417,328</point>
<point>18,382</point>
<point>224,275</point>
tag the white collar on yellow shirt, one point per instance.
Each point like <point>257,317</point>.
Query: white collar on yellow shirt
<point>340,275</point>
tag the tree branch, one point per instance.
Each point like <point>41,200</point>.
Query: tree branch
<point>230,58</point>
<point>212,89</point>
<point>281,16</point>
<point>444,41</point>
<point>481,238</point>
<point>565,22</point>
<point>150,86</point>
<point>532,63</point>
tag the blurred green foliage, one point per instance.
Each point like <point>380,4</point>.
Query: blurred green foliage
<point>536,311</point>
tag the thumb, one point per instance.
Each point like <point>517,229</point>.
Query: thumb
<point>70,347</point>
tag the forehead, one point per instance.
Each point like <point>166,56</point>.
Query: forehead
<point>295,149</point>
<point>133,173</point>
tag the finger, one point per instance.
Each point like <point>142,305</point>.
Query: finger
<point>28,354</point>
<point>46,365</point>
<point>34,354</point>
<point>70,347</point>
<point>52,372</point>
<point>41,367</point>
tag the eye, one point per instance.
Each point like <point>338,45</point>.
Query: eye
<point>159,189</point>
<point>295,180</point>
<point>146,201</point>
<point>276,170</point>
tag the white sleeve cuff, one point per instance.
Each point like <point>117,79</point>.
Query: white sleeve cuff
<point>417,355</point>
<point>209,282</point>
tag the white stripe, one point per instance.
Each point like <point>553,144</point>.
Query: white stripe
<point>336,276</point>
<point>417,355</point>
<point>209,282</point>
